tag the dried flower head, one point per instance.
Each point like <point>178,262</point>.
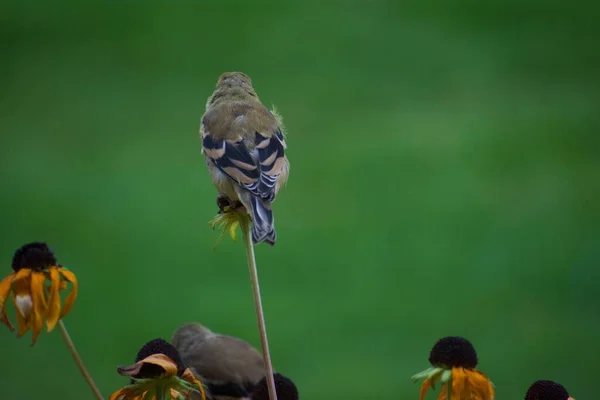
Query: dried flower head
<point>285,388</point>
<point>547,390</point>
<point>229,218</point>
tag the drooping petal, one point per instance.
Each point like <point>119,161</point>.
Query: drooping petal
<point>5,285</point>
<point>424,388</point>
<point>460,385</point>
<point>481,385</point>
<point>127,393</point>
<point>118,395</point>
<point>160,360</point>
<point>22,322</point>
<point>53,300</point>
<point>21,282</point>
<point>72,296</point>
<point>468,385</point>
<point>188,376</point>
<point>40,305</point>
<point>5,288</point>
<point>233,229</point>
<point>20,287</point>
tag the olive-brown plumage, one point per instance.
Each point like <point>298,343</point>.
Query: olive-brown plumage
<point>244,146</point>
<point>230,367</point>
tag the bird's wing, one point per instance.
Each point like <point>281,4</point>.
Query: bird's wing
<point>227,359</point>
<point>252,364</point>
<point>254,165</point>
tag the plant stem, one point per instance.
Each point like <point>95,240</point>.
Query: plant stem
<point>260,317</point>
<point>77,359</point>
<point>449,388</point>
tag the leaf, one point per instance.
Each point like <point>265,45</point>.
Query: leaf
<point>446,375</point>
<point>424,374</point>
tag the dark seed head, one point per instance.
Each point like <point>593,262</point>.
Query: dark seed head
<point>158,346</point>
<point>36,256</point>
<point>285,388</point>
<point>453,351</point>
<point>546,390</point>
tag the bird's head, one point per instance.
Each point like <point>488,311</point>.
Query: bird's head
<point>190,333</point>
<point>234,79</point>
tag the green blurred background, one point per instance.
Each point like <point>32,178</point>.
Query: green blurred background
<point>445,181</point>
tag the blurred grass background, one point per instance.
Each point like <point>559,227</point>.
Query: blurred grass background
<point>445,181</point>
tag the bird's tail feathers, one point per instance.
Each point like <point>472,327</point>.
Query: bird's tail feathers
<point>263,223</point>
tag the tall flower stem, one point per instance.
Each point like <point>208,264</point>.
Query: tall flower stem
<point>260,317</point>
<point>67,338</point>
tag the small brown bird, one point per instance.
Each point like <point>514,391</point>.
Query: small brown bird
<point>230,367</point>
<point>244,146</point>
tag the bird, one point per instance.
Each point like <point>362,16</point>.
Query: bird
<point>244,145</point>
<point>284,386</point>
<point>229,367</point>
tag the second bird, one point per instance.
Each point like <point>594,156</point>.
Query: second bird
<point>244,145</point>
<point>228,366</point>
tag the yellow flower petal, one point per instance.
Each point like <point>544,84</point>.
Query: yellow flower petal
<point>118,395</point>
<point>22,322</point>
<point>189,377</point>
<point>40,306</point>
<point>54,299</point>
<point>20,287</point>
<point>5,286</point>
<point>228,221</point>
<point>72,296</point>
<point>424,388</point>
<point>127,394</point>
<point>21,282</point>
<point>155,359</point>
<point>233,229</point>
<point>468,385</point>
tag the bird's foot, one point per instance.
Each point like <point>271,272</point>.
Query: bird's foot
<point>225,203</point>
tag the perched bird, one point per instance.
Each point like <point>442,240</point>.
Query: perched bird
<point>228,366</point>
<point>547,390</point>
<point>244,146</point>
<point>285,388</point>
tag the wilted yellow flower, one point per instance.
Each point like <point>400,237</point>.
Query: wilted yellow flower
<point>453,361</point>
<point>34,288</point>
<point>229,218</point>
<point>158,374</point>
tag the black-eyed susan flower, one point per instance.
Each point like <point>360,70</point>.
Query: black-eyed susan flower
<point>284,387</point>
<point>453,361</point>
<point>158,374</point>
<point>547,390</point>
<point>34,288</point>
